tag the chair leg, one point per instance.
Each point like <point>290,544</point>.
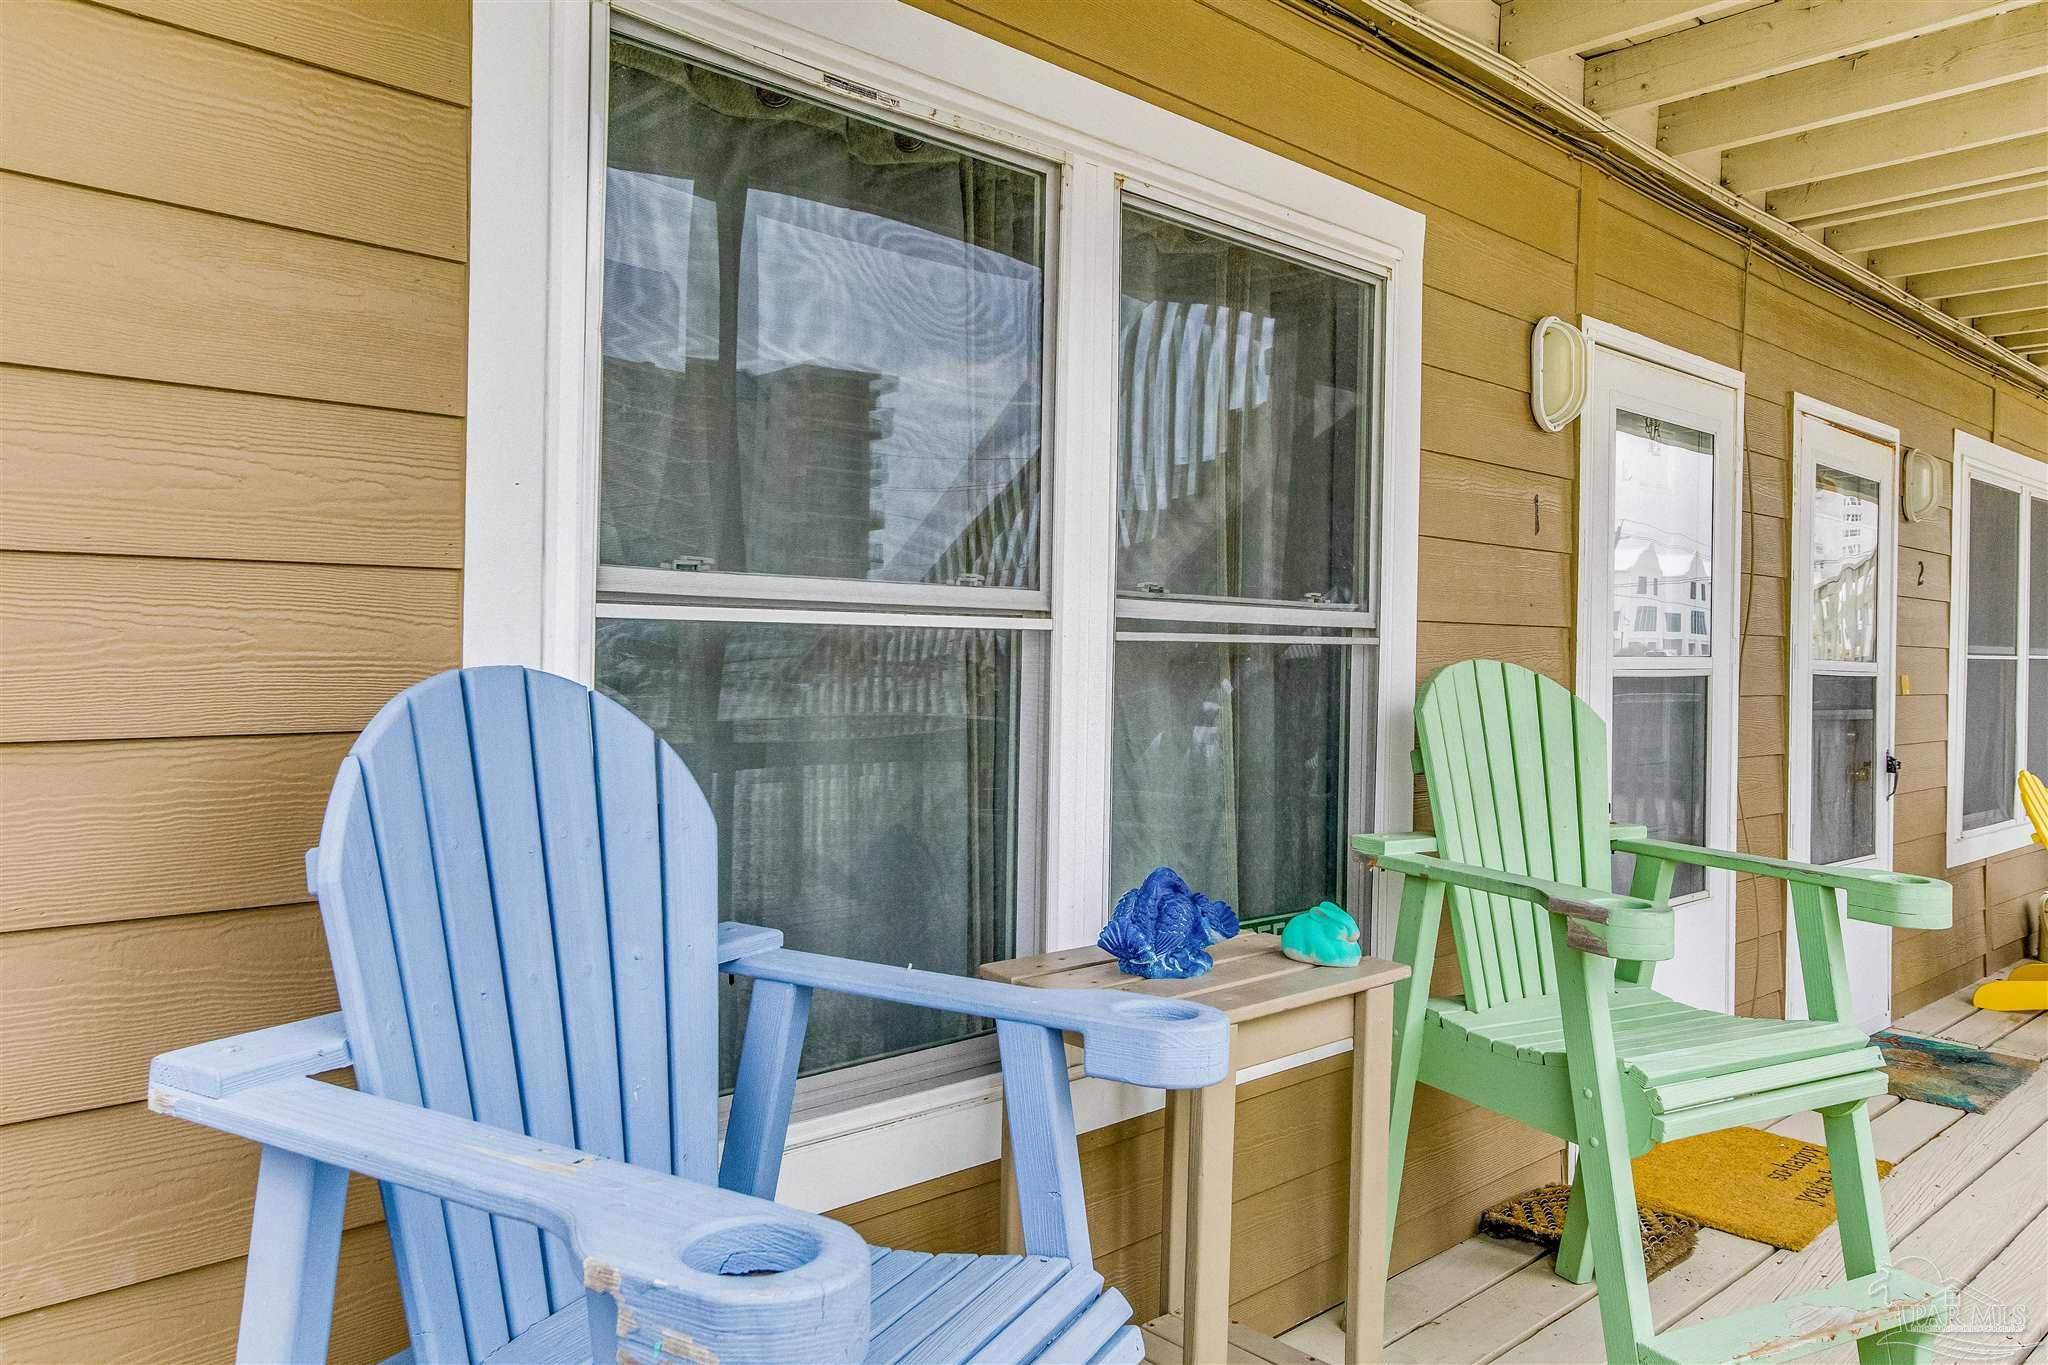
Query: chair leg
<point>1574,1249</point>
<point>1859,1213</point>
<point>1400,1107</point>
<point>1422,903</point>
<point>294,1247</point>
<point>1859,1208</point>
<point>1585,984</point>
<point>1900,1346</point>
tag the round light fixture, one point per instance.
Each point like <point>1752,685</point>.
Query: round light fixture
<point>1559,361</point>
<point>1921,485</point>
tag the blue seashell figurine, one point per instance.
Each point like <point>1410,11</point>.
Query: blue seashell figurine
<point>1325,936</point>
<point>1162,929</point>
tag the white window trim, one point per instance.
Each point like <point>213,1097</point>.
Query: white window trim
<point>1978,459</point>
<point>1596,583</point>
<point>530,578</point>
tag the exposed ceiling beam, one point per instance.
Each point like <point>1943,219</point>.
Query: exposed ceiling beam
<point>1978,279</point>
<point>1950,253</point>
<point>1950,220</point>
<point>2025,341</point>
<point>2009,324</point>
<point>1998,114</point>
<point>1958,175</point>
<point>1930,201</point>
<point>1533,29</point>
<point>1762,42</point>
<point>1952,61</point>
<point>1994,303</point>
<point>1398,27</point>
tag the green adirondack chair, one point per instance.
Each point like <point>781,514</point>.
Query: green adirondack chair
<point>1560,1028</point>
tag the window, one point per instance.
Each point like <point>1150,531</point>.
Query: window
<point>1699,623</point>
<point>1998,652</point>
<point>1243,514</point>
<point>960,637</point>
<point>1646,618</point>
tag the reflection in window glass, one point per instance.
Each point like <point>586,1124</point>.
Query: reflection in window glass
<point>1242,416</point>
<point>1228,765</point>
<point>1846,532</point>
<point>2037,716</point>
<point>1663,527</point>
<point>863,783</point>
<point>2037,589</point>
<point>2037,631</point>
<point>1659,774</point>
<point>1990,738</point>
<point>1994,576</point>
<point>822,340</point>
<point>1844,768</point>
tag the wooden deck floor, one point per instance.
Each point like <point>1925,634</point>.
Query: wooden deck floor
<point>1969,1198</point>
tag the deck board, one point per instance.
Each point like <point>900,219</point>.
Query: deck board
<point>1965,1195</point>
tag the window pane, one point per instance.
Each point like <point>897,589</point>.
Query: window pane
<point>863,781</point>
<point>1846,530</point>
<point>1242,422</point>
<point>1660,766</point>
<point>2037,716</point>
<point>1228,766</point>
<point>1994,569</point>
<point>1663,532</point>
<point>2037,591</point>
<point>1991,711</point>
<point>822,340</point>
<point>1844,768</point>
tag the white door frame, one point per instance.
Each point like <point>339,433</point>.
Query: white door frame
<point>1702,972</point>
<point>1868,946</point>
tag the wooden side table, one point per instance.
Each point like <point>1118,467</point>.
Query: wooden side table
<point>1276,1007</point>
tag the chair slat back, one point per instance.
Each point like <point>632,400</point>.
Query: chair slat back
<point>518,883</point>
<point>1516,768</point>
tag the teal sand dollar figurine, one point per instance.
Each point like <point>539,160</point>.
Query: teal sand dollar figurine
<point>1162,929</point>
<point>1324,936</point>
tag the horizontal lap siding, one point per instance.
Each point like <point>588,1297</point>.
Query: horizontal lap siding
<point>230,431</point>
<point>1497,492</point>
<point>1508,217</point>
<point>231,389</point>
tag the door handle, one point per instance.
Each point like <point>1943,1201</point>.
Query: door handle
<point>1893,766</point>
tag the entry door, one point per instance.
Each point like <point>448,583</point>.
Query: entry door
<point>1844,558</point>
<point>1661,479</point>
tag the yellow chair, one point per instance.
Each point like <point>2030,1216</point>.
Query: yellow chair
<point>2025,988</point>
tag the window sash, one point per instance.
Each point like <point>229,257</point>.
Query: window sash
<point>1979,461</point>
<point>1058,615</point>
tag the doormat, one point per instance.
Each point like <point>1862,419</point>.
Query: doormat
<point>1538,1216</point>
<point>1744,1181</point>
<point>1940,1072</point>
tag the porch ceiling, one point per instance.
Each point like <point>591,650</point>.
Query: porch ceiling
<point>1908,136</point>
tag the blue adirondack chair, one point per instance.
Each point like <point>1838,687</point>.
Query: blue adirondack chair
<point>518,883</point>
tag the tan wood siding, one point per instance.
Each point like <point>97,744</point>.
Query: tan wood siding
<point>106,99</point>
<point>1507,250</point>
<point>422,46</point>
<point>231,444</point>
<point>230,436</point>
<point>93,832</point>
<point>118,466</point>
<point>104,284</point>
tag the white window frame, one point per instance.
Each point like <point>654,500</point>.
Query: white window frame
<point>1596,669</point>
<point>531,585</point>
<point>1980,460</point>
